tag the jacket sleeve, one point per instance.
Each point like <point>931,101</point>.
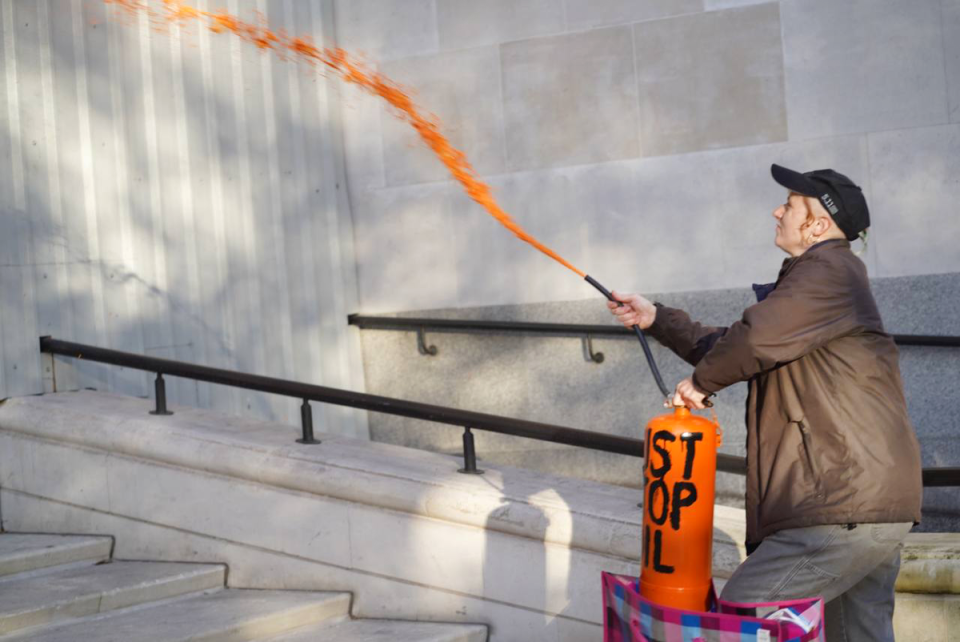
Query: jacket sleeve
<point>688,339</point>
<point>812,305</point>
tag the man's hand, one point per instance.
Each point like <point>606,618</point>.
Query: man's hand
<point>633,310</point>
<point>689,395</point>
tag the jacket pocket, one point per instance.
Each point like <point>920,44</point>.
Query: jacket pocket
<point>813,464</point>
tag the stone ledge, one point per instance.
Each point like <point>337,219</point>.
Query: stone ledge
<point>512,501</point>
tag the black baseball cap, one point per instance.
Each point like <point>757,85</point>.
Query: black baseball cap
<point>838,194</point>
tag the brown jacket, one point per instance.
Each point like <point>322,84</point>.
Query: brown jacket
<point>828,436</point>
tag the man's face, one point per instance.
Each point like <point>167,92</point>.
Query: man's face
<point>791,218</point>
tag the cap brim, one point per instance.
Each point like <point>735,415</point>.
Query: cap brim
<point>794,181</point>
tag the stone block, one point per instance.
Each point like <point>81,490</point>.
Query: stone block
<point>361,115</point>
<point>951,46</point>
<point>496,265</point>
<point>405,257</point>
<point>726,91</point>
<point>647,245</point>
<point>386,29</point>
<point>587,14</point>
<point>448,556</point>
<point>569,99</point>
<point>462,89</point>
<point>714,5</point>
<point>914,178</point>
<point>465,23</point>
<point>862,66</point>
<point>925,618</point>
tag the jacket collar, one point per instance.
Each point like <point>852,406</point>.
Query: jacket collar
<point>813,249</point>
<point>763,290</point>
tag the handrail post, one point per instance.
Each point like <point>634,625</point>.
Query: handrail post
<point>469,454</point>
<point>160,393</point>
<point>306,422</point>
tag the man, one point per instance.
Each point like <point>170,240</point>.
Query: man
<point>833,465</point>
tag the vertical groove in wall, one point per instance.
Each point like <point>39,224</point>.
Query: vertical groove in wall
<point>334,272</point>
<point>59,249</point>
<point>347,339</point>
<point>131,334</point>
<point>13,107</point>
<point>225,318</point>
<point>89,189</point>
<point>21,361</point>
<point>251,353</point>
<point>309,338</point>
<point>160,332</point>
<point>189,246</point>
<point>7,177</point>
<point>275,215</point>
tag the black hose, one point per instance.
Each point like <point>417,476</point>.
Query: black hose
<point>643,340</point>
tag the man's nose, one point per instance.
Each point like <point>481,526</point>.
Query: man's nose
<point>778,213</point>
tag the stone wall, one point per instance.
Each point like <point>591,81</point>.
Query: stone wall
<point>635,138</point>
<point>549,379</point>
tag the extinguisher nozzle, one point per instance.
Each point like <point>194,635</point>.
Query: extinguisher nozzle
<point>604,291</point>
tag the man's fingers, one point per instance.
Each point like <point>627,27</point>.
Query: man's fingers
<point>678,399</point>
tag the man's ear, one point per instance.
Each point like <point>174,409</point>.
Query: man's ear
<point>822,225</point>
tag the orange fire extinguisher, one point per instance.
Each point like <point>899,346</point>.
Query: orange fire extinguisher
<point>679,481</point>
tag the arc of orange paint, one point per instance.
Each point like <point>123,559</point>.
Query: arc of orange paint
<point>302,48</point>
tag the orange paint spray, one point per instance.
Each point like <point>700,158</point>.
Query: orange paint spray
<point>352,71</point>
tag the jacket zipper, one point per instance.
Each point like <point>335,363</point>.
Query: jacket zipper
<point>814,469</point>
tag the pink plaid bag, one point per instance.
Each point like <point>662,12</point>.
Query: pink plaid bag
<point>628,617</point>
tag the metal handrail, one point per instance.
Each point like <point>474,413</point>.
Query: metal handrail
<point>567,329</point>
<point>309,392</point>
<point>439,414</point>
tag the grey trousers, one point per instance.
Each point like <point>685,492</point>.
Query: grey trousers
<point>853,569</point>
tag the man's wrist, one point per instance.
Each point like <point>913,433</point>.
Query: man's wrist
<point>699,387</point>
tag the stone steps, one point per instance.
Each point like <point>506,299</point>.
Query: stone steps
<point>387,631</point>
<point>60,589</point>
<point>222,615</point>
<point>22,553</point>
<point>77,592</point>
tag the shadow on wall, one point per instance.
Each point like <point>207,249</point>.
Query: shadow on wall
<point>528,584</point>
<point>176,197</point>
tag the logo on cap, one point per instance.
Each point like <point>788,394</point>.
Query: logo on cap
<point>828,203</point>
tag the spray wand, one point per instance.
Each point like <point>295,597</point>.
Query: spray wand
<point>654,370</point>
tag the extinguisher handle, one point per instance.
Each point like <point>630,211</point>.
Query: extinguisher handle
<point>706,401</point>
